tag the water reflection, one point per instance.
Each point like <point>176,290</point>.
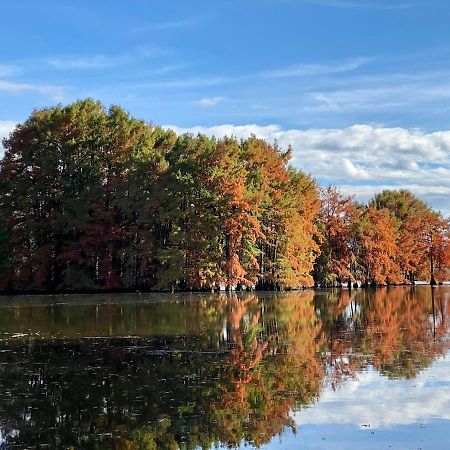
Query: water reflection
<point>199,371</point>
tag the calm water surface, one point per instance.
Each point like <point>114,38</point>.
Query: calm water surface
<point>308,370</point>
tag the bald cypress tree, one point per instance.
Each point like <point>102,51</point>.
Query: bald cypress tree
<point>70,177</point>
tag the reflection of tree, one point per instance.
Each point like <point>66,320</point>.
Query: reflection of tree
<point>113,319</point>
<point>270,370</point>
<point>195,385</point>
<point>339,312</point>
<point>222,370</point>
<point>400,333</point>
<point>396,330</point>
<point>246,349</point>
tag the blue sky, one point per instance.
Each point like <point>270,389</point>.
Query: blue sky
<point>361,88</point>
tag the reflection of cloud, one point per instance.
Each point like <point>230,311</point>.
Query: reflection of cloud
<point>379,402</point>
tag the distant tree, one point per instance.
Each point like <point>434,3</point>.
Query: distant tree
<point>422,235</point>
<point>436,242</point>
<point>190,218</point>
<point>300,248</point>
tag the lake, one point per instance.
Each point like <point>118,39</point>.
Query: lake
<point>325,369</point>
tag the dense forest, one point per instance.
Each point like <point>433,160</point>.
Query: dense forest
<point>92,199</point>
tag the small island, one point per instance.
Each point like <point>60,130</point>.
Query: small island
<point>92,199</point>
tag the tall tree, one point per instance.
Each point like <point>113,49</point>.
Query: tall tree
<point>379,250</point>
<point>64,168</point>
<point>337,218</point>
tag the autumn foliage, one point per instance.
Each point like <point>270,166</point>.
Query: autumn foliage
<point>91,199</point>
<point>94,199</point>
<point>395,239</point>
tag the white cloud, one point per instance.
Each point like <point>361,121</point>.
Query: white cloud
<point>362,158</point>
<point>15,87</point>
<point>88,62</point>
<point>388,92</point>
<point>163,70</point>
<point>361,4</point>
<point>12,87</point>
<point>169,25</point>
<point>208,102</point>
<point>383,98</point>
<point>316,69</point>
<point>7,70</point>
<point>186,83</point>
<point>6,126</point>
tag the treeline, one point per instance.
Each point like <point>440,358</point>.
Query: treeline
<point>396,238</point>
<point>92,198</point>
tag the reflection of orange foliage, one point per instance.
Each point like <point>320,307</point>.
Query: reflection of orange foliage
<point>393,329</point>
<point>399,330</point>
<point>301,370</point>
<point>243,357</point>
<point>345,298</point>
<point>271,370</point>
<point>383,331</point>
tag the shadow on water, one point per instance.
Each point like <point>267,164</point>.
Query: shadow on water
<point>198,371</point>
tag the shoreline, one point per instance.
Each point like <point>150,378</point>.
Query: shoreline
<point>18,293</point>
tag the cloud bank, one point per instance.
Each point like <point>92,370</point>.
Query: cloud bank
<point>361,159</point>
